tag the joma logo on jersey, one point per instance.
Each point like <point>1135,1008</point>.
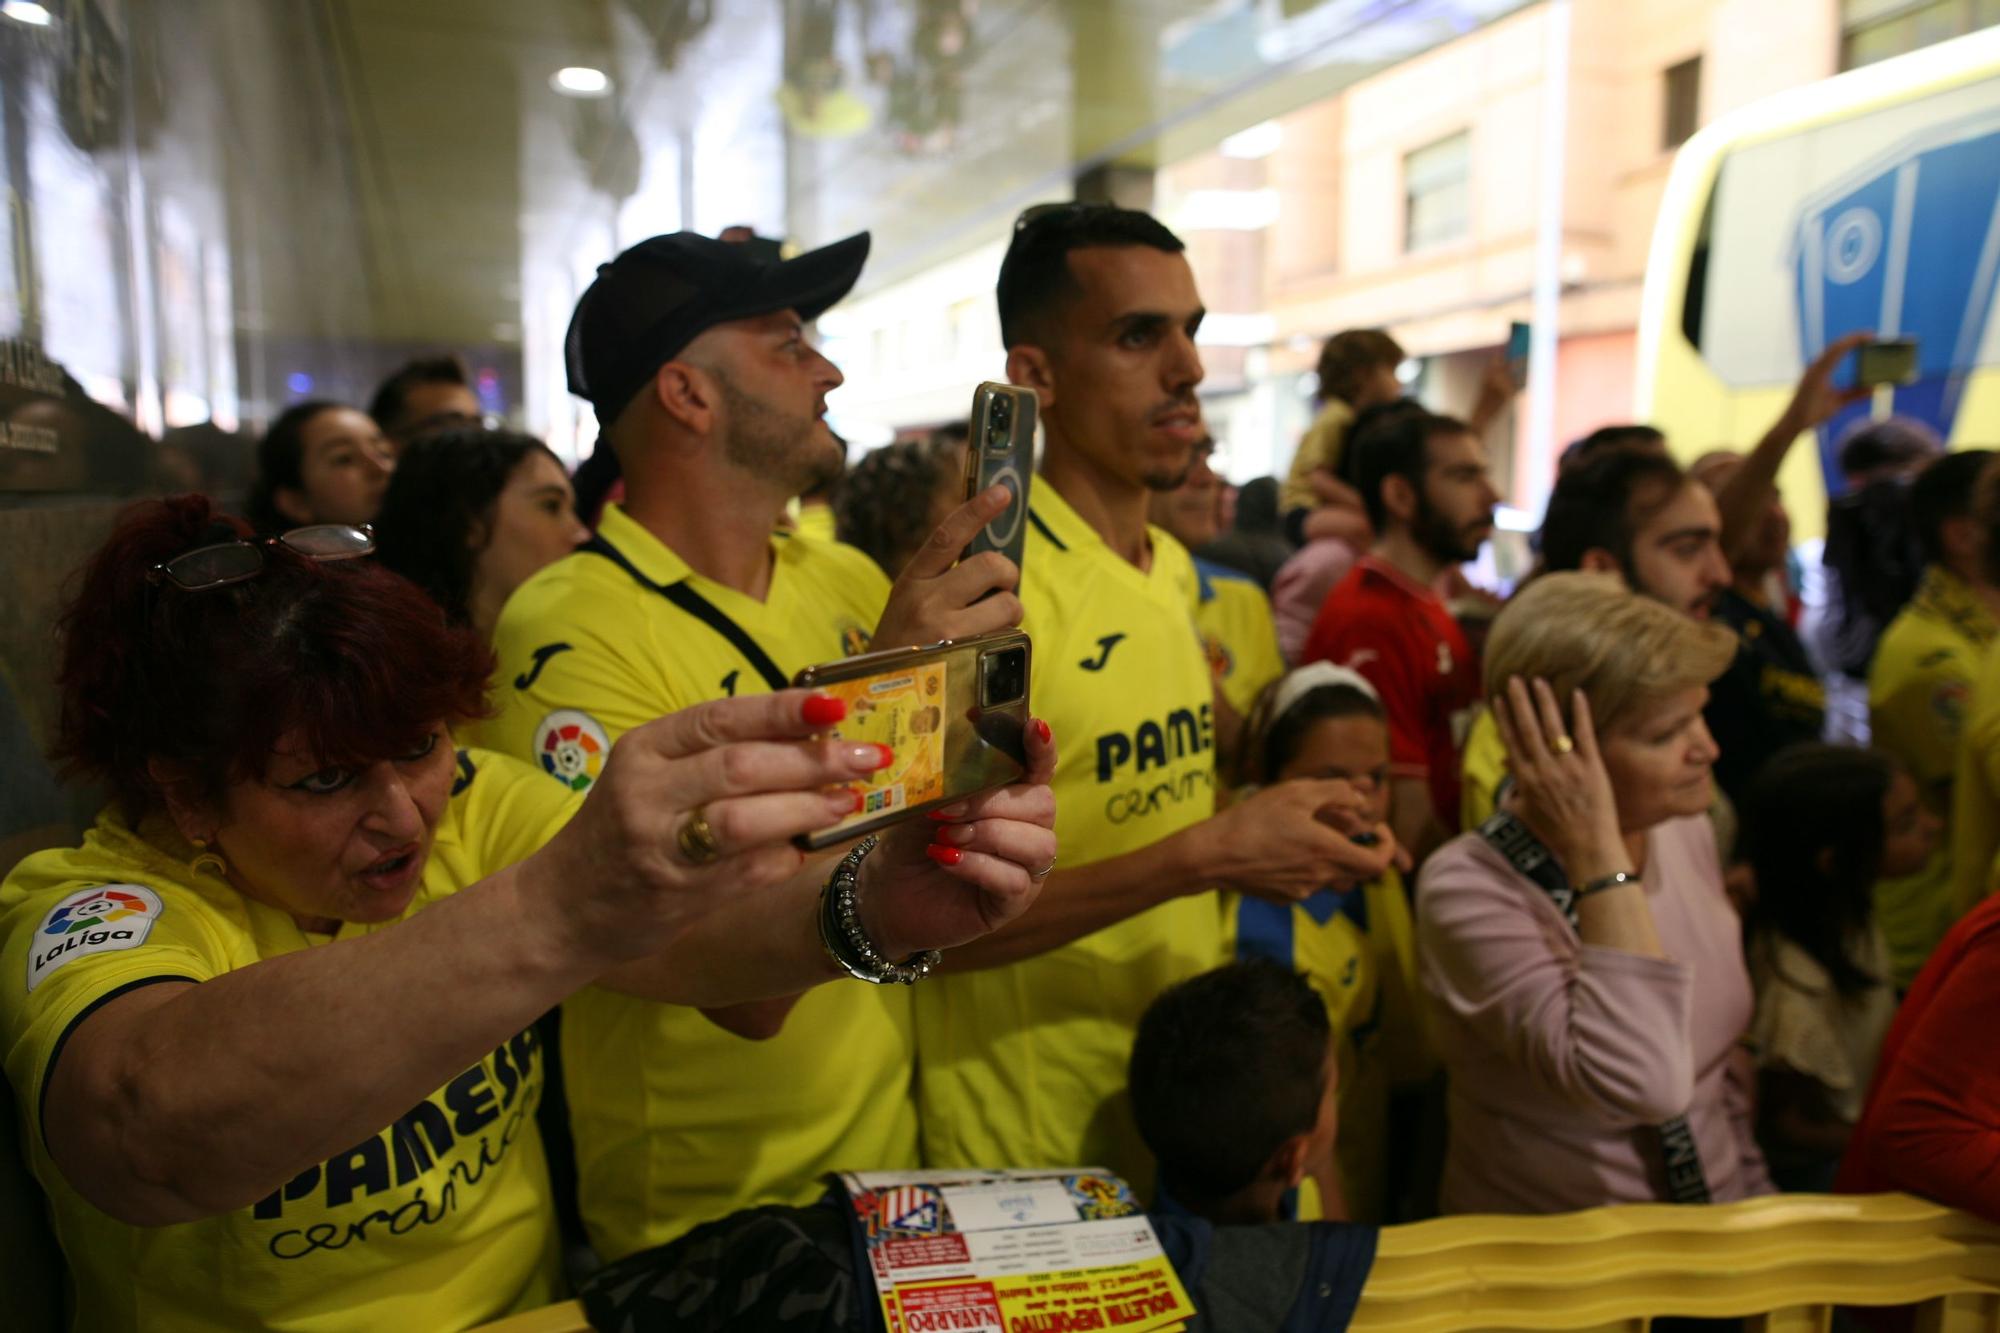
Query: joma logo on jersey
<point>1184,733</point>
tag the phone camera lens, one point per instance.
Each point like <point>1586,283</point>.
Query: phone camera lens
<point>1003,677</point>
<point>1002,414</point>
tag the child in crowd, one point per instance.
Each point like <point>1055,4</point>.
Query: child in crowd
<point>1821,824</point>
<point>1232,1078</point>
<point>1357,948</point>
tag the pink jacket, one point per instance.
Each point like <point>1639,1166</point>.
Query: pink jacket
<point>1563,1056</point>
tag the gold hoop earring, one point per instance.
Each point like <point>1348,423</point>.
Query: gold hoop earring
<point>207,862</point>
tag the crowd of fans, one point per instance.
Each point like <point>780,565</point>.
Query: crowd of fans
<point>1335,889</point>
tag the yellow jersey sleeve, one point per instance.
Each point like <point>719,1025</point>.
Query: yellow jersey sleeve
<point>1238,633</point>
<point>1481,771</point>
<point>1975,818</point>
<point>1918,687</point>
<point>567,686</point>
<point>502,812</point>
<point>1319,447</point>
<point>78,934</point>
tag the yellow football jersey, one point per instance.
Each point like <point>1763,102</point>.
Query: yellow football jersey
<point>1319,447</point>
<point>1975,803</point>
<point>675,1120</point>
<point>1918,686</point>
<point>1358,950</point>
<point>442,1220</point>
<point>1481,769</point>
<point>1238,633</point>
<point>1025,1065</point>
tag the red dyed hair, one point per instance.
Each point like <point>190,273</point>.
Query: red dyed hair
<point>353,656</point>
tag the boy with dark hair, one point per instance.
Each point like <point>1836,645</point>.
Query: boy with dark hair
<point>1232,1080</point>
<point>1424,480</point>
<point>423,394</point>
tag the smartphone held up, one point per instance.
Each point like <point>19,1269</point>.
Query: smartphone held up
<point>952,715</point>
<point>1001,452</point>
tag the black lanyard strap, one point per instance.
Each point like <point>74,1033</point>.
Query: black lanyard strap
<point>707,612</point>
<point>1532,859</point>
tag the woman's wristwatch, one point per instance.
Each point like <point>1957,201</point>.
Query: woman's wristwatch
<point>848,944</point>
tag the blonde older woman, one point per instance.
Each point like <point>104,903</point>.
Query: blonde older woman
<point>1583,960</point>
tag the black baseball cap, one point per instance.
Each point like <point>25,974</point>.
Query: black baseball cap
<point>652,300</point>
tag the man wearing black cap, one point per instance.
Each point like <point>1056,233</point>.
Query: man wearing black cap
<point>693,352</point>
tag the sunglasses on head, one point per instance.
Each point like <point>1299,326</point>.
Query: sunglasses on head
<point>224,563</point>
<point>1038,213</point>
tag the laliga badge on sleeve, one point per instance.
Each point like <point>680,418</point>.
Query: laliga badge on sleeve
<point>571,747</point>
<point>99,919</point>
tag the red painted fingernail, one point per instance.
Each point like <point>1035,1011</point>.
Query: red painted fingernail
<point>823,710</point>
<point>946,815</point>
<point>860,800</point>
<point>1042,732</point>
<point>884,756</point>
<point>943,855</point>
<point>955,835</point>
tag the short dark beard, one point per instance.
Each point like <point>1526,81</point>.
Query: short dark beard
<point>766,442</point>
<point>1439,539</point>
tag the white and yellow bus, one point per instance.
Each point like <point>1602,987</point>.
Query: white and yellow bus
<point>1867,201</point>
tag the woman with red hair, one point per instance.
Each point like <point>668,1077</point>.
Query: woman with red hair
<point>271,1024</point>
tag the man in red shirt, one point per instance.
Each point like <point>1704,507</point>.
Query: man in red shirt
<point>1423,478</point>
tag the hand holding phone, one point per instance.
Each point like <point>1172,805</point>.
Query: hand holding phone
<point>951,715</point>
<point>1001,452</point>
<point>1886,361</point>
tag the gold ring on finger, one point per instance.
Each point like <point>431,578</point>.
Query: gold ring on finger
<point>697,839</point>
<point>1564,745</point>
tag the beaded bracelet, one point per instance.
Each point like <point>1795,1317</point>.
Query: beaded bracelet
<point>848,944</point>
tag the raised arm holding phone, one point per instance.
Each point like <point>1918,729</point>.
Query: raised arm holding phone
<point>697,360</point>
<point>274,1016</point>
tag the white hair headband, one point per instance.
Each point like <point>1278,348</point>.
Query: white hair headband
<point>1316,675</point>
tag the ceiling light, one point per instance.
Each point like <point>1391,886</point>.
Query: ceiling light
<point>28,12</point>
<point>581,81</point>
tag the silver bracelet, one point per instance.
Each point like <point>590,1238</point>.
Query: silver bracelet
<point>848,944</point>
<point>1604,882</point>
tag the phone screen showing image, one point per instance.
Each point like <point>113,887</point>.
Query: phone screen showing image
<point>904,710</point>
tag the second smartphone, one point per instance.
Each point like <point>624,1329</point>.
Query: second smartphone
<point>1002,452</point>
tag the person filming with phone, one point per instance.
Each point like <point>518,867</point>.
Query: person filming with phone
<point>1023,1063</point>
<point>695,355</point>
<point>272,1022</point>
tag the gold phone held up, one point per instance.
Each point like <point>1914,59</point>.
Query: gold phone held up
<point>953,715</point>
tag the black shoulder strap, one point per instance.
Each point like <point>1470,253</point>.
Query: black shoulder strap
<point>1532,859</point>
<point>692,602</point>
